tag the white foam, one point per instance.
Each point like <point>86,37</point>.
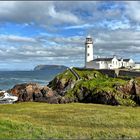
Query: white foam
<point>7,98</point>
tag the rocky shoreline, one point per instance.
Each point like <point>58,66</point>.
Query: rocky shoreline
<point>93,87</point>
<point>29,92</point>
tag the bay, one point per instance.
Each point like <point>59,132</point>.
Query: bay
<point>10,78</point>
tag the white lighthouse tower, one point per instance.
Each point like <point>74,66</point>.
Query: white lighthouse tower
<point>88,50</point>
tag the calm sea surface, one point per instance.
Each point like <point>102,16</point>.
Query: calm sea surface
<point>10,78</point>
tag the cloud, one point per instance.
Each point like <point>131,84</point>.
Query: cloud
<point>120,42</point>
<point>70,15</point>
<point>133,10</point>
<point>84,26</point>
<point>66,50</point>
<point>61,28</point>
<point>51,13</point>
<point>15,38</point>
<point>63,16</point>
<point>38,52</point>
<point>77,40</point>
<point>41,13</point>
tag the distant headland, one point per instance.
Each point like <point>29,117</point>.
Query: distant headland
<point>50,67</point>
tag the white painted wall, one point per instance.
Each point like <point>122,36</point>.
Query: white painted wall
<point>96,65</point>
<point>89,64</point>
<point>137,66</point>
<point>131,63</point>
<point>88,50</point>
<point>114,63</point>
<point>121,63</point>
<point>103,65</point>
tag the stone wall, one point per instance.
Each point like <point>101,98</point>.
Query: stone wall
<point>129,73</point>
<point>110,73</point>
<point>117,72</point>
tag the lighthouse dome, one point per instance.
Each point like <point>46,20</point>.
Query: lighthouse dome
<point>88,36</point>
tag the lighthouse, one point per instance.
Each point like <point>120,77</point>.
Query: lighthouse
<point>88,50</point>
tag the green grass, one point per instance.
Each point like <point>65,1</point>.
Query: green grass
<point>67,75</point>
<point>80,121</point>
<point>63,77</point>
<point>95,82</point>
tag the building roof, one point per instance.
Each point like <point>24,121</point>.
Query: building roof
<point>137,62</point>
<point>103,59</point>
<point>126,60</point>
<point>120,59</point>
<point>110,59</point>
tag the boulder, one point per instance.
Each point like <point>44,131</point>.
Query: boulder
<point>33,92</point>
<point>90,96</point>
<point>104,98</point>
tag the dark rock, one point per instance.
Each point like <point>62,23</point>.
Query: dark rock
<point>135,92</point>
<point>1,94</point>
<point>61,86</point>
<point>90,96</point>
<point>104,98</point>
<point>33,92</point>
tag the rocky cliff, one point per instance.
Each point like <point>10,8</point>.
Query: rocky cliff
<point>33,92</point>
<point>93,87</point>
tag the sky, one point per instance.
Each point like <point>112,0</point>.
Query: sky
<point>54,32</point>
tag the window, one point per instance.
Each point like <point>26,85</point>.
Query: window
<point>88,46</point>
<point>88,54</point>
<point>89,39</point>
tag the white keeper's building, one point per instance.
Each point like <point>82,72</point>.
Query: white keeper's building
<point>106,63</point>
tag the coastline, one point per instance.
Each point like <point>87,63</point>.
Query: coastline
<point>83,86</point>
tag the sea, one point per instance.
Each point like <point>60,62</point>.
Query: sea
<point>8,79</point>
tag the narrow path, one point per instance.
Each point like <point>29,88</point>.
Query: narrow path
<point>75,73</point>
<point>76,76</point>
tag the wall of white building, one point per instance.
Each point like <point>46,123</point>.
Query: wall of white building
<point>137,66</point>
<point>114,63</point>
<point>88,50</point>
<point>103,65</point>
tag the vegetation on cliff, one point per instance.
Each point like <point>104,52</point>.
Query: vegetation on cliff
<point>91,86</point>
<point>94,87</point>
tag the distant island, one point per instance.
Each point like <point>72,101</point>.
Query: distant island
<point>50,67</point>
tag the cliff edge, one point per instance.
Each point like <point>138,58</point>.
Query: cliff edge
<point>95,87</point>
<point>91,87</point>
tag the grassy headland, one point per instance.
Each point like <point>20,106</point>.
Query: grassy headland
<point>76,120</point>
<point>95,87</point>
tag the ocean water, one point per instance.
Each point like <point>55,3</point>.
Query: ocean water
<point>10,78</point>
